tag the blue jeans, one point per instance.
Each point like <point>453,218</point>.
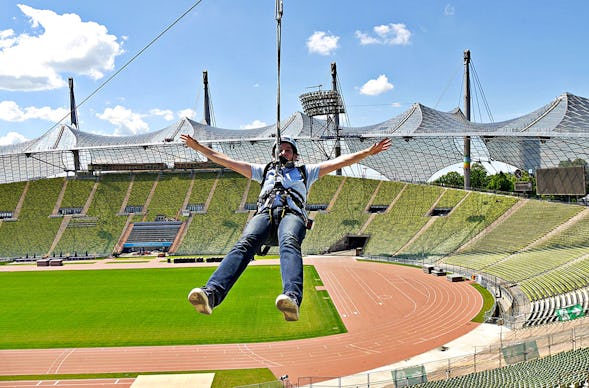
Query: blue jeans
<point>290,233</point>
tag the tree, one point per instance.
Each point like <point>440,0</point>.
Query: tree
<point>478,176</point>
<point>501,182</point>
<point>576,162</point>
<point>452,179</point>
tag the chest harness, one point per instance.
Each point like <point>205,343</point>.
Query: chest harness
<point>275,202</point>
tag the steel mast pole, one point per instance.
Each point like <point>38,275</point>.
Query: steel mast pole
<point>74,122</point>
<point>73,111</point>
<point>207,102</point>
<point>338,148</point>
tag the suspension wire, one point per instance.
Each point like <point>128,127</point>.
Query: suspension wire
<point>484,99</point>
<point>477,104</point>
<point>476,93</point>
<point>211,109</point>
<point>460,94</point>
<point>162,151</point>
<point>196,105</point>
<point>320,145</point>
<point>139,53</point>
<point>32,156</point>
<point>346,116</point>
<point>450,81</point>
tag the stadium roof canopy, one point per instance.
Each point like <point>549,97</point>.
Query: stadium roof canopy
<point>425,141</point>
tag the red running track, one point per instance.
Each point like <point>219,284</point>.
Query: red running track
<point>392,313</point>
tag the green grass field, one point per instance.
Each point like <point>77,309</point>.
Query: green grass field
<point>127,307</point>
<point>488,301</point>
<point>261,377</point>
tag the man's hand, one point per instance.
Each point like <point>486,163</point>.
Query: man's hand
<point>382,145</point>
<point>239,166</point>
<point>188,140</point>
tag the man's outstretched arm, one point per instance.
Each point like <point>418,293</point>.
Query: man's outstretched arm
<point>349,159</point>
<point>239,166</point>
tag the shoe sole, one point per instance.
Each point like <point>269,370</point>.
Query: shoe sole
<point>288,307</point>
<point>199,299</point>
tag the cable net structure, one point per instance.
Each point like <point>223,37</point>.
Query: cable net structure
<point>424,142</point>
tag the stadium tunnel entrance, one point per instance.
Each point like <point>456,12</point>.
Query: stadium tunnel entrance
<point>349,242</point>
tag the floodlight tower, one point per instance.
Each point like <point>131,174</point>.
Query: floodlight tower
<point>326,103</point>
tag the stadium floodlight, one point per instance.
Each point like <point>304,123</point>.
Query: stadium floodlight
<point>322,102</point>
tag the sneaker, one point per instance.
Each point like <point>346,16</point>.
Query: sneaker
<point>200,300</point>
<point>288,306</point>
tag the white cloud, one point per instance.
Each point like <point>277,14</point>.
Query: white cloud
<point>187,113</point>
<point>167,114</point>
<point>253,124</point>
<point>11,112</point>
<point>393,34</point>
<point>6,34</point>
<point>12,138</point>
<point>396,105</point>
<point>321,43</point>
<point>449,10</point>
<point>377,86</point>
<point>57,44</point>
<point>366,39</point>
<point>127,122</point>
<point>6,39</point>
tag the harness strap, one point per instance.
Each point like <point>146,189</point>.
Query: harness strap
<point>274,221</point>
<point>263,251</point>
<point>267,201</point>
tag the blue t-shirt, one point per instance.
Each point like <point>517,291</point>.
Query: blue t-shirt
<point>291,179</point>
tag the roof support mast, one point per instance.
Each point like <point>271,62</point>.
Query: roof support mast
<point>73,111</point>
<point>207,102</point>
<point>467,114</point>
<point>74,121</point>
<point>278,44</point>
<point>338,148</point>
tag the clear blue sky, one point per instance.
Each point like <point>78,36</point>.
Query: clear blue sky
<point>389,55</point>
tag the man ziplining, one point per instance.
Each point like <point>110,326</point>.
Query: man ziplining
<point>280,217</point>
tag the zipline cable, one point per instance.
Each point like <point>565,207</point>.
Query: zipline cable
<point>278,44</point>
<point>151,43</point>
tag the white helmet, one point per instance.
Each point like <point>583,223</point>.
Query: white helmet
<point>289,140</point>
